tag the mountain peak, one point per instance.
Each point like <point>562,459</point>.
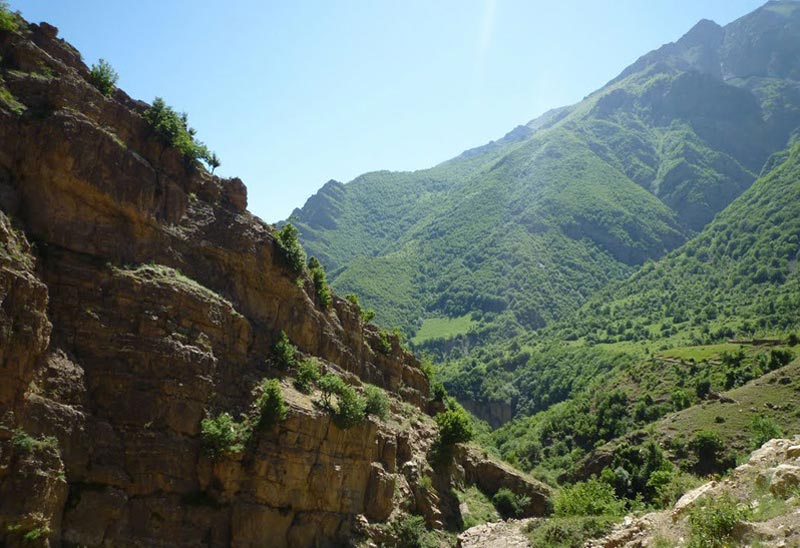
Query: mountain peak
<point>704,33</point>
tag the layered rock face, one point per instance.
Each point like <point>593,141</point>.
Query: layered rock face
<point>137,297</point>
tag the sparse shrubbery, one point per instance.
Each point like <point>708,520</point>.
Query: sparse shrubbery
<point>568,532</point>
<point>588,498</point>
<point>377,402</point>
<point>713,522</point>
<point>365,316</point>
<point>330,385</point>
<point>104,77</point>
<point>223,434</point>
<point>175,130</point>
<point>24,442</point>
<point>9,21</point>
<point>308,373</point>
<point>321,286</point>
<point>509,504</point>
<point>270,405</point>
<point>384,344</point>
<point>762,429</point>
<point>289,244</point>
<point>350,408</point>
<point>284,352</point>
<point>409,532</point>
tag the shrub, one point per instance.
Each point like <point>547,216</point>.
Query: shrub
<point>589,498</point>
<point>793,340</point>
<point>321,287</point>
<point>509,504</point>
<point>174,129</point>
<point>568,532</point>
<point>308,372</point>
<point>222,434</point>
<point>26,443</point>
<point>270,405</point>
<point>365,316</point>
<point>670,485</point>
<point>289,244</point>
<point>104,77</point>
<point>410,532</point>
<point>438,391</point>
<point>708,447</point>
<point>454,427</point>
<point>384,344</point>
<point>377,402</point>
<point>779,358</point>
<point>284,351</point>
<point>713,521</point>
<point>9,21</point>
<point>703,388</point>
<point>762,429</point>
<point>213,161</point>
<point>680,399</point>
<point>330,385</point>
<point>351,408</point>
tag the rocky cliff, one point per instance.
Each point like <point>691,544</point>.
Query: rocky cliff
<point>138,296</point>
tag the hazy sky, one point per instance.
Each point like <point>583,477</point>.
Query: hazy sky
<point>293,93</point>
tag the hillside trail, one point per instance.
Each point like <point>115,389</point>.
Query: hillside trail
<point>498,534</point>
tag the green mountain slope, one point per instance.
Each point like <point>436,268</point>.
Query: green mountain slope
<point>738,276</point>
<point>520,232</point>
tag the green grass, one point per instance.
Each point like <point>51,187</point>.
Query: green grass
<point>443,328</point>
<point>699,353</point>
<point>479,507</point>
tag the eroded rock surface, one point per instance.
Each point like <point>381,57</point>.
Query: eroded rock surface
<point>137,297</point>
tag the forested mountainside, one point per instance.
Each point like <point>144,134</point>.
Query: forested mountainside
<point>514,235</point>
<point>172,373</point>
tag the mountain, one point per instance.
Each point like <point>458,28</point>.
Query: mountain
<point>170,373</point>
<point>514,235</point>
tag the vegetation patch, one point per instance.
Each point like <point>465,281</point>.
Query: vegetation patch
<point>104,77</point>
<point>443,328</point>
<point>174,129</point>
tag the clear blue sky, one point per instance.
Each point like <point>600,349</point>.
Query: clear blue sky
<point>292,93</point>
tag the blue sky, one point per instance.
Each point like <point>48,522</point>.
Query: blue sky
<point>293,93</point>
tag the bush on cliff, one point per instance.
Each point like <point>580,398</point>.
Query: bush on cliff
<point>377,401</point>
<point>289,244</point>
<point>284,352</point>
<point>308,373</point>
<point>321,286</point>
<point>175,130</point>
<point>270,405</point>
<point>454,426</point>
<point>222,434</point>
<point>104,77</point>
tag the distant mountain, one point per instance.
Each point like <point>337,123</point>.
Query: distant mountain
<point>514,235</point>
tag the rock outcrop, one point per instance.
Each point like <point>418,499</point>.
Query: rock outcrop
<point>138,296</point>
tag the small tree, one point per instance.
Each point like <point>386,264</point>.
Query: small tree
<point>351,408</point>
<point>284,351</point>
<point>308,372</point>
<point>329,385</point>
<point>289,244</point>
<point>222,434</point>
<point>321,287</point>
<point>377,401</point>
<point>9,21</point>
<point>213,161</point>
<point>270,405</point>
<point>454,427</point>
<point>104,77</point>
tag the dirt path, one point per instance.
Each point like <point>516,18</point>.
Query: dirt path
<point>500,534</point>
